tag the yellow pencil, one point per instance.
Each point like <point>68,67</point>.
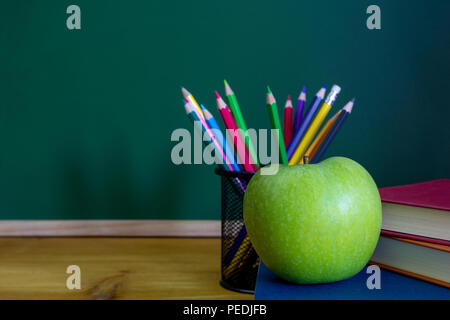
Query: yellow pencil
<point>320,137</point>
<point>315,125</point>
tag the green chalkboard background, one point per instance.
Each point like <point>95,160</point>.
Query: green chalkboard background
<point>86,116</point>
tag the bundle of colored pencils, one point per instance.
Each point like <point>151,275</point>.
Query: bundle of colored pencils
<point>298,138</point>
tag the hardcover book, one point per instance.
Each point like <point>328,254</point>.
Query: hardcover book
<point>418,211</point>
<point>393,286</point>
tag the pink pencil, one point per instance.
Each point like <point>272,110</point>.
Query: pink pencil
<point>239,144</point>
<point>287,124</point>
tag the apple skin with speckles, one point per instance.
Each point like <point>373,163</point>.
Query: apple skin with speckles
<point>314,223</point>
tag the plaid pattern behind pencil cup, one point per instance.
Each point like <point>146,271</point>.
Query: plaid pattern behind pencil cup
<point>239,260</point>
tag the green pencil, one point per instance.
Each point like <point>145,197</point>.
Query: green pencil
<point>275,121</point>
<point>239,119</point>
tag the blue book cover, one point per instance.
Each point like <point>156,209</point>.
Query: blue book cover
<point>393,286</point>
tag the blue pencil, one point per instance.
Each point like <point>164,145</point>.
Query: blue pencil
<point>214,126</point>
<point>306,122</point>
<point>333,131</point>
<point>299,110</point>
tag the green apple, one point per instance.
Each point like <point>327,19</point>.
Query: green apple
<point>314,223</point>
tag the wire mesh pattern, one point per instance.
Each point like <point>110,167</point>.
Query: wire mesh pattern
<point>239,259</point>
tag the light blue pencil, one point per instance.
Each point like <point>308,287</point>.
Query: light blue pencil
<point>202,127</point>
<point>214,126</point>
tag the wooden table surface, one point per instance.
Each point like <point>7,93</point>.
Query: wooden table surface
<point>112,268</point>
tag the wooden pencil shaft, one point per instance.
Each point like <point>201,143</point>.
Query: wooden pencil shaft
<point>217,131</point>
<point>237,114</point>
<point>298,115</point>
<point>298,135</point>
<point>312,130</point>
<point>275,122</point>
<point>237,139</point>
<point>330,136</point>
<point>321,136</point>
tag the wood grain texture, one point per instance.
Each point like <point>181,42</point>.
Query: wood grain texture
<point>112,268</point>
<point>110,228</point>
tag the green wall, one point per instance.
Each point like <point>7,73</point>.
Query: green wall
<point>86,116</point>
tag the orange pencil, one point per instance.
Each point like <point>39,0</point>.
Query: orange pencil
<point>320,137</point>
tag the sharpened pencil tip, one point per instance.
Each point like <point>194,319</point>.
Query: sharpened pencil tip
<point>288,102</point>
<point>217,94</point>
<point>321,93</point>
<point>185,92</point>
<point>302,95</point>
<point>353,100</point>
<point>325,86</point>
<point>228,90</point>
<point>206,112</point>
<point>349,106</point>
<point>268,89</point>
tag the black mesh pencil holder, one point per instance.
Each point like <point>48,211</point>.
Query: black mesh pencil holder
<point>239,259</point>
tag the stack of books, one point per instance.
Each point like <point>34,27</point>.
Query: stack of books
<point>415,236</point>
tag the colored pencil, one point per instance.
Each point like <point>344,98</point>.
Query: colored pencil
<point>239,245</point>
<point>298,135</point>
<point>299,110</point>
<point>214,126</point>
<point>320,137</point>
<point>287,121</point>
<point>245,254</point>
<point>334,130</point>
<point>203,128</point>
<point>239,120</point>
<point>237,138</point>
<point>189,97</point>
<point>275,122</point>
<point>315,125</point>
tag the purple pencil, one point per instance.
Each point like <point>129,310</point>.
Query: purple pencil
<point>299,110</point>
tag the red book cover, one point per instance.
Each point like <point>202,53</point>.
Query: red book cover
<point>432,194</point>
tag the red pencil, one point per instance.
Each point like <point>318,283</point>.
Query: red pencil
<point>287,124</point>
<point>240,147</point>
